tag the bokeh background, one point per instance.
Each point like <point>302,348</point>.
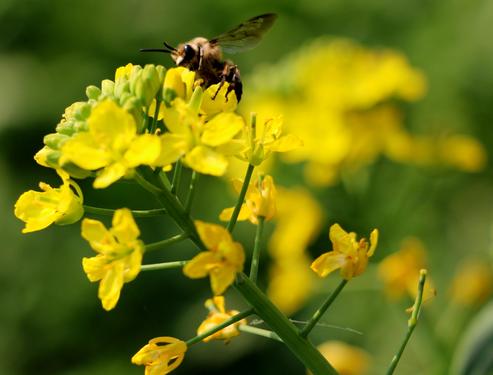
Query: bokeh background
<point>50,319</point>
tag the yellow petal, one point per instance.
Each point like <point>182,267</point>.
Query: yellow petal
<point>212,234</point>
<point>134,262</point>
<point>95,267</point>
<point>221,103</point>
<point>221,278</point>
<point>221,129</point>
<point>285,143</point>
<point>327,263</point>
<point>85,152</point>
<point>36,210</point>
<point>124,227</point>
<point>173,147</point>
<point>206,161</point>
<point>341,240</point>
<point>97,235</point>
<point>111,285</point>
<point>244,214</point>
<point>373,242</point>
<point>111,125</point>
<point>143,150</point>
<point>200,265</point>
<point>108,175</point>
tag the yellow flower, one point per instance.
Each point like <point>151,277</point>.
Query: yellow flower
<point>223,260</point>
<point>472,283</point>
<point>346,359</point>
<point>119,255</point>
<point>266,137</point>
<point>39,209</point>
<point>298,219</point>
<point>197,138</point>
<point>349,255</point>
<point>260,201</point>
<point>111,146</point>
<point>400,270</point>
<point>161,355</point>
<point>218,315</point>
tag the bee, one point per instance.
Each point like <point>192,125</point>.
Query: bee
<point>205,56</point>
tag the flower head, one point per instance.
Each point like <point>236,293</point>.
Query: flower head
<point>218,315</point>
<point>119,255</point>
<point>161,355</point>
<point>111,146</point>
<point>39,209</point>
<point>223,260</point>
<point>349,255</point>
<point>260,201</point>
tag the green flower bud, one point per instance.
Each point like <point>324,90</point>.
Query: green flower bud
<point>55,140</point>
<point>93,92</point>
<point>107,87</point>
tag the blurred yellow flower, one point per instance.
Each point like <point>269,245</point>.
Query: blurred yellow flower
<point>260,200</point>
<point>111,146</point>
<point>298,221</point>
<point>400,270</point>
<point>346,359</point>
<point>119,255</point>
<point>218,315</point>
<point>349,255</point>
<point>472,283</point>
<point>39,209</point>
<point>161,355</point>
<point>223,260</point>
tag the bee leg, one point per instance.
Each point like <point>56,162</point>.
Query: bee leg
<point>235,83</point>
<point>221,83</point>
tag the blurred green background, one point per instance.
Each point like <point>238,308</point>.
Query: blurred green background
<point>50,319</point>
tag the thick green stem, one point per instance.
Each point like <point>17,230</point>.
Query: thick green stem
<point>135,213</point>
<point>241,198</point>
<point>232,320</point>
<point>191,191</point>
<point>163,266</point>
<point>322,309</point>
<point>256,250</point>
<point>281,325</point>
<point>411,323</point>
<point>165,243</point>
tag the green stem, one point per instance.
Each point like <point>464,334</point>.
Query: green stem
<point>259,332</point>
<point>172,205</point>
<point>165,243</point>
<point>136,213</point>
<point>232,320</point>
<point>241,198</point>
<point>256,249</point>
<point>322,309</point>
<point>163,266</point>
<point>411,323</point>
<point>281,325</point>
<point>176,177</point>
<point>191,192</point>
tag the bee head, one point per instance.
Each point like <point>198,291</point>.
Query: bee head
<point>186,55</point>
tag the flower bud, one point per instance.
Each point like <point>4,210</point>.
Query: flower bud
<point>107,87</point>
<point>93,92</point>
<point>55,140</point>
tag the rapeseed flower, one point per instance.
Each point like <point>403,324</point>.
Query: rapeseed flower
<point>119,255</point>
<point>346,359</point>
<point>260,200</point>
<point>111,146</point>
<point>161,355</point>
<point>223,259</point>
<point>349,255</point>
<point>218,315</point>
<point>40,209</point>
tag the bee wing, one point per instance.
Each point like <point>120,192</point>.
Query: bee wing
<point>246,35</point>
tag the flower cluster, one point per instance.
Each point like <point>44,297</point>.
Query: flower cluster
<point>339,97</point>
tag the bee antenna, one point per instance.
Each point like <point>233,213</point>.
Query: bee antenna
<point>169,46</point>
<point>154,50</point>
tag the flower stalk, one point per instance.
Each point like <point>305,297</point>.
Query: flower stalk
<point>256,250</point>
<point>163,266</point>
<point>411,323</point>
<point>167,242</point>
<point>321,311</point>
<point>136,213</point>
<point>241,198</point>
